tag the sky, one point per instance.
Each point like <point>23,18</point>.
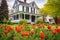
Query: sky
<point>40,3</point>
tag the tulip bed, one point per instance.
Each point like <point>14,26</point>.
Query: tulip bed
<point>29,32</point>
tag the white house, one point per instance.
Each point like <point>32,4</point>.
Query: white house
<point>23,10</point>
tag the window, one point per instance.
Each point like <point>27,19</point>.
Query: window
<point>33,18</point>
<point>27,9</point>
<point>20,7</point>
<point>38,16</point>
<point>14,17</point>
<point>34,10</point>
<point>17,9</point>
<point>23,8</point>
<point>10,18</point>
<point>32,4</point>
<point>26,16</point>
<point>31,10</point>
<point>22,16</point>
<point>17,16</point>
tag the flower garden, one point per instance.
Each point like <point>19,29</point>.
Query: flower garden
<point>29,32</point>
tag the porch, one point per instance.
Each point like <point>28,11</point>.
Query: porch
<point>29,17</point>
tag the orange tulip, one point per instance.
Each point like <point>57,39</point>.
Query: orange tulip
<point>6,31</point>
<point>33,26</point>
<point>24,33</point>
<point>18,29</point>
<point>8,28</point>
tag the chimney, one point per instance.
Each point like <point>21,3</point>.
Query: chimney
<point>24,1</point>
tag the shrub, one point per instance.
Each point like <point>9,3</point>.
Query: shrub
<point>23,21</point>
<point>39,21</point>
<point>6,21</point>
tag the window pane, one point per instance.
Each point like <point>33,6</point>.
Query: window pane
<point>26,16</point>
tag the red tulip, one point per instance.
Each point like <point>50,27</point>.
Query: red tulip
<point>39,25</point>
<point>24,33</point>
<point>54,32</point>
<point>42,35</point>
<point>49,27</point>
<point>59,30</point>
<point>18,29</point>
<point>6,31</point>
<point>32,31</point>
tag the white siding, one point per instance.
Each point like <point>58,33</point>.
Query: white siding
<point>29,9</point>
<point>20,7</point>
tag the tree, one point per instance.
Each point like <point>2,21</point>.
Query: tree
<point>43,13</point>
<point>52,7</point>
<point>3,10</point>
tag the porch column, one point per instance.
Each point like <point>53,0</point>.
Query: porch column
<point>30,18</point>
<point>19,16</point>
<point>35,18</point>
